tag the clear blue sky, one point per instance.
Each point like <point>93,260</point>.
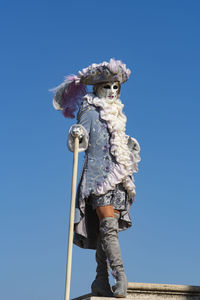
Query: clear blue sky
<point>41,42</point>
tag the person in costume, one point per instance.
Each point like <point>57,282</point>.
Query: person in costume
<point>106,188</point>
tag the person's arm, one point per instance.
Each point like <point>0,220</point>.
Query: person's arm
<point>82,128</point>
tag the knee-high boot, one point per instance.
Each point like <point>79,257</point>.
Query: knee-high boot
<point>110,243</point>
<point>101,286</point>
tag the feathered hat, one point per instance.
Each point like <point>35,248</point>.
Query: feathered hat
<point>68,95</point>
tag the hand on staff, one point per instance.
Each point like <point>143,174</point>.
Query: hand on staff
<point>77,131</point>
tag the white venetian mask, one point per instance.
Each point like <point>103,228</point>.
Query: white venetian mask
<point>108,90</point>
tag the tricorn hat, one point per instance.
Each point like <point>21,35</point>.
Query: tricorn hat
<point>68,95</point>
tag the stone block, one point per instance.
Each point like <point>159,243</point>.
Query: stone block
<point>152,291</point>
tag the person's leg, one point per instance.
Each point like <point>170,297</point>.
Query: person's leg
<point>101,286</point>
<point>105,211</point>
<point>110,244</point>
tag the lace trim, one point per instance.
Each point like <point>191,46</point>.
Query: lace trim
<point>125,166</point>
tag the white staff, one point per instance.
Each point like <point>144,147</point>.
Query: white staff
<point>66,99</point>
<point>71,222</point>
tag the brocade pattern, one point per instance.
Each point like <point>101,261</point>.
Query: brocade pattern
<point>117,198</point>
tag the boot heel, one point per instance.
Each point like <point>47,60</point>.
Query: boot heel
<point>94,293</point>
<point>101,290</point>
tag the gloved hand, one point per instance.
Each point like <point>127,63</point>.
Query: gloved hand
<point>77,131</point>
<point>133,144</point>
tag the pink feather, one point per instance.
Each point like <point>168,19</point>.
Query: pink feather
<point>72,97</point>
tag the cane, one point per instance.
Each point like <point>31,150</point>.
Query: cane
<point>71,222</point>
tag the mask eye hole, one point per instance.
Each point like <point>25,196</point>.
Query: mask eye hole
<point>106,86</point>
<point>115,87</point>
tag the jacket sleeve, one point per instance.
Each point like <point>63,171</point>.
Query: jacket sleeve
<point>84,119</point>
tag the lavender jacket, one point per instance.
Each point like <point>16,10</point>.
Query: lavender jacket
<point>96,168</point>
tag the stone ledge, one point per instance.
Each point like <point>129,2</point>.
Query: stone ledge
<point>163,288</point>
<point>152,291</point>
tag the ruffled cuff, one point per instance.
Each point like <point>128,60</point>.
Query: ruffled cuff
<point>83,141</point>
<point>134,148</point>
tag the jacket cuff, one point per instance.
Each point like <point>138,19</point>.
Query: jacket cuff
<point>134,147</point>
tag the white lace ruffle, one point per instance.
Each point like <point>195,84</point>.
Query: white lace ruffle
<point>126,160</point>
